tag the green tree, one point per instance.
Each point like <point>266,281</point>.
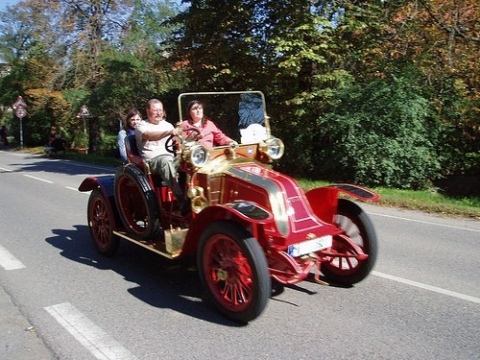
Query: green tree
<point>441,38</point>
<point>380,133</point>
<point>219,43</point>
<point>314,61</point>
<point>32,65</point>
<point>103,53</point>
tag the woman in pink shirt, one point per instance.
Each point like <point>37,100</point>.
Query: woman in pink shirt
<point>211,135</point>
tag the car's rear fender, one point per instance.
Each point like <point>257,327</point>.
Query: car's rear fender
<point>324,200</point>
<point>105,183</point>
<point>106,186</point>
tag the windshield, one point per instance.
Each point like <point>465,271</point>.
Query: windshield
<point>240,115</point>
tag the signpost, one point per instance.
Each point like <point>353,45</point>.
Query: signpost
<point>84,113</point>
<point>20,111</point>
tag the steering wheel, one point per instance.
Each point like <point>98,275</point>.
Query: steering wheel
<point>194,135</point>
<point>172,146</point>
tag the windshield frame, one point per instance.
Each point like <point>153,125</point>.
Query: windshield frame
<point>183,96</point>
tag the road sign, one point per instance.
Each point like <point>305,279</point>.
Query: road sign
<point>19,102</point>
<point>84,112</point>
<point>20,112</point>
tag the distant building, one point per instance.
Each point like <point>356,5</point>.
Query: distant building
<point>5,69</point>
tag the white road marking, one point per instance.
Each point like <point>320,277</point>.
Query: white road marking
<point>39,179</point>
<point>425,222</point>
<point>427,287</point>
<point>97,341</point>
<point>8,261</point>
<point>5,169</point>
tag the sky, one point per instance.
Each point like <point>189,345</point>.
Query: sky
<point>5,3</point>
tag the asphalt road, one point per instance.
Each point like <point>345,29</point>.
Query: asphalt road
<point>59,299</point>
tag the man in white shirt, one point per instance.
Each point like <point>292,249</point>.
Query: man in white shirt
<point>151,136</point>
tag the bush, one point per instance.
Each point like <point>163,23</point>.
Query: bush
<point>380,134</point>
<point>108,145</point>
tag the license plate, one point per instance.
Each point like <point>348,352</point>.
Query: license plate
<point>310,246</point>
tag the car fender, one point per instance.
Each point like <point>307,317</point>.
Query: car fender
<point>251,216</point>
<point>324,200</point>
<point>105,183</point>
<point>106,186</point>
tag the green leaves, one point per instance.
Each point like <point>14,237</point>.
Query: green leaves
<point>385,136</point>
<point>358,90</point>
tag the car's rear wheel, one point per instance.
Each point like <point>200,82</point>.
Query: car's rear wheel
<point>101,224</point>
<point>346,268</point>
<point>234,271</point>
<point>136,202</point>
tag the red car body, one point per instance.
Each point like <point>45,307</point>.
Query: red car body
<point>250,227</point>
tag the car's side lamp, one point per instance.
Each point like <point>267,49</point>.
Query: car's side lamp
<point>198,156</point>
<point>273,148</point>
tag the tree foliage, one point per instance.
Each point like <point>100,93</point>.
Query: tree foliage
<point>441,38</point>
<point>387,135</point>
<point>90,52</point>
<point>372,91</point>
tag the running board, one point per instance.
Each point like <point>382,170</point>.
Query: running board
<point>157,245</point>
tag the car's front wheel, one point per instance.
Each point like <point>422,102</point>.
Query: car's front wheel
<point>234,271</point>
<point>346,268</point>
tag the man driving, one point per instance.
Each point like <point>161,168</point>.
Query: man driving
<point>151,136</point>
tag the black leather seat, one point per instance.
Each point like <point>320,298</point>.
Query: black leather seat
<point>131,145</point>
<point>132,153</point>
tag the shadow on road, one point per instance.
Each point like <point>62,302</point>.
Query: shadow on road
<point>61,166</point>
<point>162,283</point>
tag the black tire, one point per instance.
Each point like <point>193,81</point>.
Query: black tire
<point>136,202</point>
<point>356,225</point>
<point>234,271</point>
<point>101,224</point>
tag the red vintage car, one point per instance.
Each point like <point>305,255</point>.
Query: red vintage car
<point>250,228</point>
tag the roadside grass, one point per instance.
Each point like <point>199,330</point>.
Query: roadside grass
<point>430,201</point>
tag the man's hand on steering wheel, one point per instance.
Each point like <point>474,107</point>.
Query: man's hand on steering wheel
<point>172,145</point>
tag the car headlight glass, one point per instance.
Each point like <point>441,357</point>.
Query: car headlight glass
<point>275,148</point>
<point>199,156</point>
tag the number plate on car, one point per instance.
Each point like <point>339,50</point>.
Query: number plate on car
<point>310,246</point>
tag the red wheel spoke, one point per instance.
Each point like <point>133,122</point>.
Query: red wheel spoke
<point>229,273</point>
<point>244,292</point>
<point>101,224</point>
